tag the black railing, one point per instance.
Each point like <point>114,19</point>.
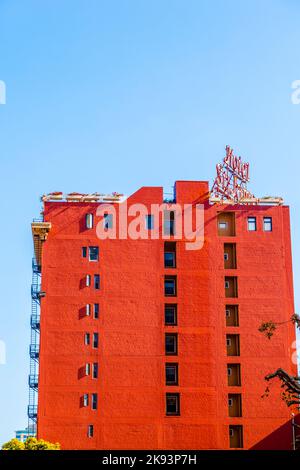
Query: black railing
<point>32,413</point>
<point>34,351</point>
<point>33,381</point>
<point>35,322</point>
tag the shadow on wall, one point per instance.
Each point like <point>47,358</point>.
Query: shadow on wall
<point>281,438</point>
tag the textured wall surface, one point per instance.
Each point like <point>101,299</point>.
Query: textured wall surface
<point>131,385</point>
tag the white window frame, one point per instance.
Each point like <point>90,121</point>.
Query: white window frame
<point>86,400</point>
<point>89,221</point>
<point>93,260</point>
<point>253,221</point>
<point>270,222</point>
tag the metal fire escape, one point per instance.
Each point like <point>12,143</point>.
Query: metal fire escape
<point>40,231</point>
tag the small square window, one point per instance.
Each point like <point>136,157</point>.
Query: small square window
<point>170,260</point>
<point>172,404</point>
<point>149,222</point>
<point>84,251</point>
<point>172,374</point>
<point>170,286</point>
<point>171,314</point>
<point>90,432</point>
<point>93,253</point>
<point>223,225</point>
<point>252,224</point>
<point>268,224</point>
<point>171,344</point>
<point>96,281</point>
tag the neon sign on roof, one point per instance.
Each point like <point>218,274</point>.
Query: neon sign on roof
<point>232,178</point>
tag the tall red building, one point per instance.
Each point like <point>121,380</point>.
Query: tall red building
<point>145,344</point>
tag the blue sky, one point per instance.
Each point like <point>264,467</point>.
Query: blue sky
<point>113,95</point>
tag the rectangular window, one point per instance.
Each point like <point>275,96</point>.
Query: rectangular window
<point>236,437</point>
<point>235,405</point>
<point>108,221</point>
<point>170,254</point>
<point>172,404</point>
<point>95,340</point>
<point>89,221</point>
<point>87,339</point>
<point>96,311</point>
<point>95,370</point>
<point>234,375</point>
<point>96,281</point>
<point>171,347</point>
<point>170,285</point>
<point>149,222</point>
<point>93,253</point>
<point>90,431</point>
<point>268,225</point>
<point>252,224</point>
<point>87,310</point>
<point>231,286</point>
<point>88,280</point>
<point>172,374</point>
<point>226,224</point>
<point>232,315</point>
<point>169,222</point>
<point>84,251</point>
<point>233,345</point>
<point>229,256</point>
<point>94,401</point>
<point>171,314</point>
<point>87,369</point>
<point>86,399</point>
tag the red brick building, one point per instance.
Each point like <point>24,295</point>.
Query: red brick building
<point>147,345</point>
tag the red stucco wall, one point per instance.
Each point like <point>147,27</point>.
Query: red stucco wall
<point>131,385</point>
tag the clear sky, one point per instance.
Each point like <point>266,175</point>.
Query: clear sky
<point>113,95</point>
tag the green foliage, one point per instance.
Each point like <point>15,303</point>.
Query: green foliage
<point>31,443</point>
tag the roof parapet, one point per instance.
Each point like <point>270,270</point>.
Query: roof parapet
<point>81,197</point>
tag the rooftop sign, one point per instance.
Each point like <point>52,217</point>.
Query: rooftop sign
<point>232,178</point>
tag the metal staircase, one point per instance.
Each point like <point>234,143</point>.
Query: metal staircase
<point>40,231</point>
